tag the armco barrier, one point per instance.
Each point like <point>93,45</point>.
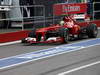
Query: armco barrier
<point>13,36</point>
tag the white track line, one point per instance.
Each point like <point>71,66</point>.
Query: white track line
<point>79,68</point>
<point>37,58</point>
<point>9,43</point>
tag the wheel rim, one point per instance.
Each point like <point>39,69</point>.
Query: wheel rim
<point>95,31</point>
<point>66,37</point>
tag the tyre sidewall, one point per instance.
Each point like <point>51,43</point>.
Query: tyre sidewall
<point>92,31</point>
<point>65,34</point>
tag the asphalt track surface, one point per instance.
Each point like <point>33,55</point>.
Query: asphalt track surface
<point>56,65</point>
<point>16,49</point>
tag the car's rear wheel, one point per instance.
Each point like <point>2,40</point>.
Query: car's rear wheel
<point>80,36</point>
<point>92,31</point>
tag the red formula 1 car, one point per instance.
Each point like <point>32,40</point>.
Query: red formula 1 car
<point>67,29</point>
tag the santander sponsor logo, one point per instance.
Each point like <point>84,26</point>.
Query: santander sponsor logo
<point>70,8</point>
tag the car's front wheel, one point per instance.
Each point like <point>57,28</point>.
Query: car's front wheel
<point>64,32</point>
<point>23,40</point>
<point>32,33</point>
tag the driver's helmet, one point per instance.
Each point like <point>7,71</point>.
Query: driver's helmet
<point>66,19</point>
<point>61,23</point>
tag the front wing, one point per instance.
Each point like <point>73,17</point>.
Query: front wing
<point>49,40</point>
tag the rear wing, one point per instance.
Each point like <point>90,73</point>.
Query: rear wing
<point>65,8</point>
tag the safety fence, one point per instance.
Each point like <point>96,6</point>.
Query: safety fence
<point>22,17</point>
<point>25,17</point>
<point>96,10</point>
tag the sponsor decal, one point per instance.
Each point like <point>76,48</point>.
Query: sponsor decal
<point>61,9</point>
<point>70,8</point>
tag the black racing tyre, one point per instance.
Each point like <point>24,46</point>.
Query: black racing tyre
<point>32,33</point>
<point>80,36</point>
<point>46,37</point>
<point>92,31</point>
<point>64,32</point>
<point>23,40</point>
<point>39,37</point>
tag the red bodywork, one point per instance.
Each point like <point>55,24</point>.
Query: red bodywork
<point>43,31</point>
<point>72,29</point>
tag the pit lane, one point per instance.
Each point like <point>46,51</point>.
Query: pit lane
<point>55,65</point>
<point>16,49</point>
